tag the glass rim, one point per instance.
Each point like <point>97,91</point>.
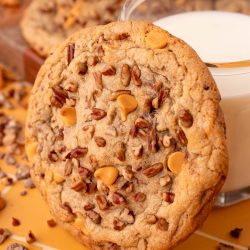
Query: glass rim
<point>130,5</point>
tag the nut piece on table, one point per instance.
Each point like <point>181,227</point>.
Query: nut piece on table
<point>107,175</point>
<point>31,148</point>
<point>157,39</point>
<point>68,116</point>
<point>127,104</point>
<point>175,161</point>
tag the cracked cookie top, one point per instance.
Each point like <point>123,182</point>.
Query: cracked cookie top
<point>126,137</point>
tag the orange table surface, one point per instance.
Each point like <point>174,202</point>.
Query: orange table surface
<point>33,214</point>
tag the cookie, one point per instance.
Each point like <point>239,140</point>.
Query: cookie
<point>53,21</point>
<point>242,6</point>
<point>126,137</point>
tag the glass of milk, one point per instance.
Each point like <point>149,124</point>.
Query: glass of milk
<point>222,40</point>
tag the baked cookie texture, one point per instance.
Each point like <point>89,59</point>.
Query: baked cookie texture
<point>48,23</point>
<point>126,137</point>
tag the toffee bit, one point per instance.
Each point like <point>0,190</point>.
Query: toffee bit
<point>71,52</point>
<point>51,223</point>
<point>235,233</point>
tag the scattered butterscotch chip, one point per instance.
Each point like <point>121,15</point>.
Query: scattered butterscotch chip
<point>2,203</point>
<point>68,116</point>
<point>175,161</point>
<point>157,39</point>
<point>30,238</point>
<point>127,104</point>
<point>51,223</point>
<point>15,222</point>
<point>107,174</point>
<point>235,233</point>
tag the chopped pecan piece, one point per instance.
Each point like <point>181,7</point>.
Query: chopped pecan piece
<point>168,197</point>
<point>127,173</point>
<point>53,157</point>
<point>128,187</point>
<point>59,97</point>
<point>68,167</point>
<point>98,114</point>
<point>51,223</point>
<point>77,153</point>
<point>79,185</point>
<point>101,51</point>
<point>84,172</point>
<point>89,206</point>
<point>118,199</point>
<point>153,170</point>
<point>139,197</point>
<point>101,202</point>
<point>100,141</point>
<point>94,216</point>
<point>137,151</point>
<point>121,36</point>
<point>109,71</point>
<point>136,75</point>
<point>82,68</point>
<point>153,145</point>
<point>30,238</point>
<point>133,131</point>
<point>182,137</point>
<point>186,119</point>
<point>147,106</point>
<point>120,150</point>
<point>162,224</point>
<point>118,224</point>
<point>142,123</point>
<point>92,61</point>
<point>98,80</point>
<point>15,222</point>
<point>165,180</point>
<point>163,94</point>
<point>71,52</point>
<point>125,75</point>
<point>91,187</point>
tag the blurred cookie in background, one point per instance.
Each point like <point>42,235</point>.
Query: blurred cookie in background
<point>47,23</point>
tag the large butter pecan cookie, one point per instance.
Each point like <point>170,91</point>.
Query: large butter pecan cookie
<point>47,23</point>
<point>126,137</point>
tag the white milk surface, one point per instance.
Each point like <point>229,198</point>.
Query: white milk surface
<point>223,37</point>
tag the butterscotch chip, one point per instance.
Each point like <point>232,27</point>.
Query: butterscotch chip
<point>107,175</point>
<point>68,116</point>
<point>175,162</point>
<point>145,130</point>
<point>157,39</point>
<point>127,104</point>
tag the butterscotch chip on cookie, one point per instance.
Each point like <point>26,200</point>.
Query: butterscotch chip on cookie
<point>48,23</point>
<point>141,161</point>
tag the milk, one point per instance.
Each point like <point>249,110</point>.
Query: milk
<point>224,37</point>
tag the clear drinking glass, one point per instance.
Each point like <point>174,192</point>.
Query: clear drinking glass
<point>220,37</point>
